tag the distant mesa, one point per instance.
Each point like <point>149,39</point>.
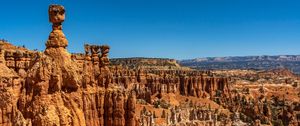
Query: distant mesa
<point>291,62</point>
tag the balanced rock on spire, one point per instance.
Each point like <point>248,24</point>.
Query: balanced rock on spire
<point>56,38</point>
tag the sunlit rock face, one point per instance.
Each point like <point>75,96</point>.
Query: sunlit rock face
<point>56,88</point>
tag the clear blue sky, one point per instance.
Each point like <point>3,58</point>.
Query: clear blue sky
<point>180,29</point>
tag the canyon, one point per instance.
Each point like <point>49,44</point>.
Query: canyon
<point>57,88</point>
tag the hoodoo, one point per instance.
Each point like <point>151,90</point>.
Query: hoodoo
<point>56,17</point>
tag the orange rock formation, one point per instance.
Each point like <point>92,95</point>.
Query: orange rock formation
<point>56,88</point>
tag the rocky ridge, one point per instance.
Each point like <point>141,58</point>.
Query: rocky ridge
<point>291,62</point>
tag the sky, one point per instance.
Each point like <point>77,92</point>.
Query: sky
<point>180,29</point>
